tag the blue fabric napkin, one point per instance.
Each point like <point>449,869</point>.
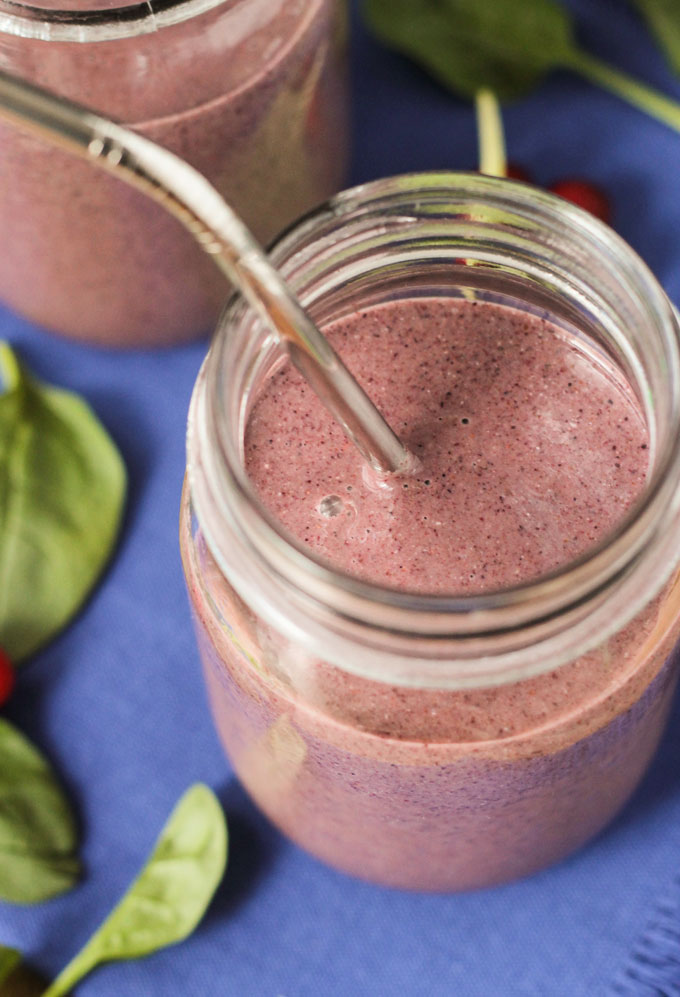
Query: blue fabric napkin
<point>653,966</point>
<point>118,704</point>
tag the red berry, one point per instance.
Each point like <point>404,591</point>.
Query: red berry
<point>516,172</point>
<point>6,677</point>
<point>586,195</point>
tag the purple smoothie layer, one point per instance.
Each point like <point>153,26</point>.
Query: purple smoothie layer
<point>251,94</point>
<point>531,449</point>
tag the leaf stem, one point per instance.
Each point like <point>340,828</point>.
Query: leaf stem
<point>71,974</point>
<point>492,159</point>
<point>656,104</point>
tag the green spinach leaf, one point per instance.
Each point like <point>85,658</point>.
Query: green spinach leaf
<point>62,488</point>
<point>663,18</point>
<point>37,831</point>
<point>506,46</point>
<point>501,45</point>
<point>170,895</point>
<point>9,960</point>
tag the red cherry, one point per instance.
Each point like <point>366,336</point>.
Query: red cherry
<point>516,172</point>
<point>586,195</point>
<point>6,677</point>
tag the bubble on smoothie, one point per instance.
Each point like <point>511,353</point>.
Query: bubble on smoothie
<point>330,506</point>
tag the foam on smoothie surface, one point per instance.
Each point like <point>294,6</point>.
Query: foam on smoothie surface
<point>531,449</point>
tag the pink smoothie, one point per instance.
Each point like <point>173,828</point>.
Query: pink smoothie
<point>251,93</point>
<point>531,449</point>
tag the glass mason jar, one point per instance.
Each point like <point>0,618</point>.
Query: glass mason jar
<point>451,741</point>
<point>250,92</point>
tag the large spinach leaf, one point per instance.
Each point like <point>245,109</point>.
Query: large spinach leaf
<point>62,488</point>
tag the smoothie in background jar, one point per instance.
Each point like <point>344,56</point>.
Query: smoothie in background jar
<point>456,678</point>
<point>250,92</point>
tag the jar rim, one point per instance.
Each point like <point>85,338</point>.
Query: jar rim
<point>532,604</point>
<point>97,23</point>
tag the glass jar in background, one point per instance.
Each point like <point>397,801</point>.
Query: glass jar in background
<point>439,742</point>
<point>250,92</point>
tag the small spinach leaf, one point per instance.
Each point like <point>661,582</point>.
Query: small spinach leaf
<point>62,488</point>
<point>170,895</point>
<point>37,831</point>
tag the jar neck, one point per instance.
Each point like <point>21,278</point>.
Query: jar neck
<point>449,234</point>
<point>62,18</point>
<point>84,21</point>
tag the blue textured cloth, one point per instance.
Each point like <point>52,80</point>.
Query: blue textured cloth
<point>118,703</point>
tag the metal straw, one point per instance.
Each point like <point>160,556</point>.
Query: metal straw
<point>185,193</point>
